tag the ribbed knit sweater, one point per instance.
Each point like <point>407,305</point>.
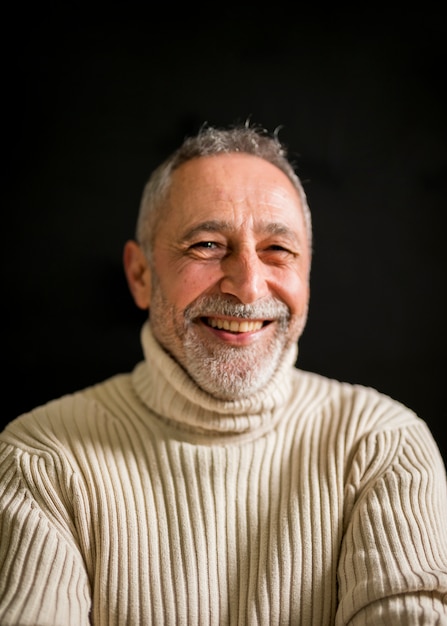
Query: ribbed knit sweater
<point>145,501</point>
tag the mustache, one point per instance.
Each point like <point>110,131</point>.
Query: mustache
<point>207,306</point>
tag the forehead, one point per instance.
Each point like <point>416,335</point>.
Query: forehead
<point>233,186</point>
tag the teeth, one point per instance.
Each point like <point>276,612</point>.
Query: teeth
<point>244,326</point>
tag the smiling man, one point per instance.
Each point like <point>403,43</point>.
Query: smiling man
<point>228,279</point>
<point>217,483</point>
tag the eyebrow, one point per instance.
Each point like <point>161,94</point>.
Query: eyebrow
<point>212,226</point>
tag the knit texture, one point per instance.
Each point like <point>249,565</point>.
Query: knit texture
<point>144,501</point>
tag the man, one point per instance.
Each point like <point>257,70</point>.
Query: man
<point>217,483</point>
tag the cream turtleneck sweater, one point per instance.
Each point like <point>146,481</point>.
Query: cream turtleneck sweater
<point>144,501</point>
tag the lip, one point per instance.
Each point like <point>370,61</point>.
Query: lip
<point>235,331</point>
<point>234,325</point>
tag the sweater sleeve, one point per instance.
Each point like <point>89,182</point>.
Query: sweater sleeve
<point>393,561</point>
<point>43,579</point>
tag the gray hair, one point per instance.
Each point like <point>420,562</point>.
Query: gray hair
<point>211,141</point>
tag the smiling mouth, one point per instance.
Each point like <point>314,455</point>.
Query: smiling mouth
<point>234,326</point>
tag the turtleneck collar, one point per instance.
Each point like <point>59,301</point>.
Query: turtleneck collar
<point>170,393</point>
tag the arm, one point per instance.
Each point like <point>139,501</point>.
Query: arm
<point>43,579</point>
<point>393,561</point>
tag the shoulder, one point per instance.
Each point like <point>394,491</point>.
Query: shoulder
<point>358,406</point>
<point>367,427</point>
<point>56,423</point>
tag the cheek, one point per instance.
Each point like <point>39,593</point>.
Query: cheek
<point>294,292</point>
<point>183,287</point>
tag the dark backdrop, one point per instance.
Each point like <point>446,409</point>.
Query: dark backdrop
<point>91,103</point>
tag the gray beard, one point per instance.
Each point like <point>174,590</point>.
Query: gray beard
<point>232,372</point>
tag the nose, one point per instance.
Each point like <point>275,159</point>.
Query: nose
<point>244,276</point>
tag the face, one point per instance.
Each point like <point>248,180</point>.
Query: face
<point>228,286</point>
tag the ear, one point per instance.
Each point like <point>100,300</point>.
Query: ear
<point>138,274</point>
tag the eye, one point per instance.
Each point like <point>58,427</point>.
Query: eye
<point>277,253</point>
<point>209,245</point>
<point>277,247</point>
<point>206,249</point>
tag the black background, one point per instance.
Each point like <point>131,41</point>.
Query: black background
<point>93,101</point>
